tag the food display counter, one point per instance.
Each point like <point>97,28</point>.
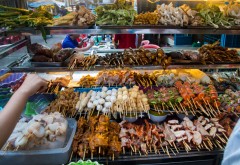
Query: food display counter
<point>133,106</point>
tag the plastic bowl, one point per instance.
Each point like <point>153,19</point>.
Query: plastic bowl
<point>157,119</point>
<point>182,115</point>
<point>130,119</point>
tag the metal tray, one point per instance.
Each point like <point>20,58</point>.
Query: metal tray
<point>55,156</point>
<point>42,64</point>
<point>50,64</point>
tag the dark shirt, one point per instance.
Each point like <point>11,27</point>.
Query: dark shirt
<point>63,12</point>
<point>69,43</point>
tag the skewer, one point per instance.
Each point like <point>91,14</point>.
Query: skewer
<point>162,148</point>
<point>184,110</point>
<point>221,139</point>
<point>172,151</point>
<point>17,148</point>
<point>99,150</point>
<point>225,136</point>
<point>194,103</point>
<point>84,153</point>
<point>132,147</point>
<point>91,155</point>
<point>71,157</point>
<point>215,102</point>
<point>202,109</point>
<point>175,147</point>
<point>139,152</point>
<point>212,108</point>
<point>217,142</point>
<point>5,148</point>
<point>173,107</point>
<point>123,150</point>
<point>167,152</point>
<point>113,157</point>
<point>206,146</point>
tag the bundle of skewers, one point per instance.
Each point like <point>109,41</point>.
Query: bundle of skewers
<point>97,136</point>
<point>102,101</point>
<point>145,79</point>
<point>196,96</point>
<point>172,136</point>
<point>230,101</point>
<point>41,131</point>
<point>162,98</point>
<point>115,77</point>
<point>131,101</point>
<point>85,62</point>
<point>87,81</point>
<point>139,56</point>
<point>65,103</point>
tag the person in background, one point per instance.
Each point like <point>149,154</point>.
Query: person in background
<point>11,113</point>
<point>84,39</point>
<point>63,11</point>
<point>125,41</point>
<point>70,41</point>
<point>232,151</point>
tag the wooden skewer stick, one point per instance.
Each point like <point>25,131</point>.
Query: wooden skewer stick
<point>194,103</point>
<point>225,136</point>
<point>17,148</point>
<point>168,152</point>
<point>91,155</point>
<point>206,146</point>
<point>71,157</point>
<point>172,151</point>
<point>197,148</point>
<point>113,157</point>
<point>212,108</point>
<point>84,153</point>
<point>221,139</point>
<point>202,109</point>
<point>163,149</point>
<point>217,142</point>
<point>139,152</point>
<point>184,110</point>
<point>132,147</point>
<point>6,146</point>
<point>175,147</point>
<point>215,102</point>
<point>173,107</point>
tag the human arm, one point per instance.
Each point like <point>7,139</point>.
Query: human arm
<point>10,114</point>
<point>90,44</point>
<point>232,150</point>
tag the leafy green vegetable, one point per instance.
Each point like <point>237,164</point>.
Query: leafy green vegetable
<point>119,13</point>
<point>213,16</point>
<point>12,18</point>
<point>81,162</point>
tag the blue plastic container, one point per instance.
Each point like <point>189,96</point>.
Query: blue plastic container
<point>182,39</point>
<point>232,41</point>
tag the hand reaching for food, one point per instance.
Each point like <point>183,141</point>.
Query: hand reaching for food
<point>32,84</point>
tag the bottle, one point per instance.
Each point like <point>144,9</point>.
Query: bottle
<point>108,41</point>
